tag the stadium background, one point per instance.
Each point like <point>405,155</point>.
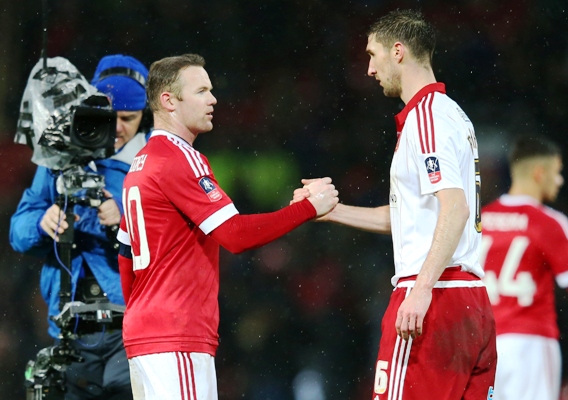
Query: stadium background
<point>300,317</point>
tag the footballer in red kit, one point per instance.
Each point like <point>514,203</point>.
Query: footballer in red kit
<point>175,218</point>
<point>173,173</point>
<point>524,252</point>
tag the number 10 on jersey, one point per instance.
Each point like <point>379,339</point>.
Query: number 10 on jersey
<point>136,226</point>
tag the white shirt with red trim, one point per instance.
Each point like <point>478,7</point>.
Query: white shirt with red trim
<point>171,202</point>
<point>525,249</point>
<point>436,150</point>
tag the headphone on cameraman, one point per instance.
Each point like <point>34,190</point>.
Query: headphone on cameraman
<point>147,121</point>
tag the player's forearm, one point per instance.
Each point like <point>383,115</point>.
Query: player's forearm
<point>376,220</point>
<point>454,214</point>
<point>245,232</point>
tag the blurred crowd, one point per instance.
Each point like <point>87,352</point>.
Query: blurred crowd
<point>300,317</point>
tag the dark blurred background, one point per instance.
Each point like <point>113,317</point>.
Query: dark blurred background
<point>300,317</point>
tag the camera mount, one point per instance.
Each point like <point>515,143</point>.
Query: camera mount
<point>45,376</point>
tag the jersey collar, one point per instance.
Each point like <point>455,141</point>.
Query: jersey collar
<point>518,200</point>
<point>400,118</point>
<point>162,132</point>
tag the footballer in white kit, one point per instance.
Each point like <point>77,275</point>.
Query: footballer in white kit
<point>436,150</point>
<point>430,157</point>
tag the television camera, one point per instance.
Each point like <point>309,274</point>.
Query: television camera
<point>68,124</point>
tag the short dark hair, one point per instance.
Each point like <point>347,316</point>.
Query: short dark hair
<point>164,76</point>
<point>528,146</point>
<point>408,27</point>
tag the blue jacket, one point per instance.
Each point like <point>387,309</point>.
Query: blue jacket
<point>93,247</point>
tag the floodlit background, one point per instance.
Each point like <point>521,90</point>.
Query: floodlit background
<point>300,317</point>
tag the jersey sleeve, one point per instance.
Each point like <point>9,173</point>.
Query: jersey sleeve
<point>435,151</point>
<point>556,246</point>
<point>190,185</point>
<point>122,235</point>
<point>246,232</point>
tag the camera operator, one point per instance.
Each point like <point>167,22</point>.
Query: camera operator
<point>104,373</point>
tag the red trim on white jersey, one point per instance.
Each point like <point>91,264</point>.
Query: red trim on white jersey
<point>425,122</point>
<point>436,150</point>
<point>400,118</point>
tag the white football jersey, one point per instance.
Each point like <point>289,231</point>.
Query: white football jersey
<point>436,149</point>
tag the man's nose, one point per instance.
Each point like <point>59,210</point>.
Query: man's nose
<point>118,126</point>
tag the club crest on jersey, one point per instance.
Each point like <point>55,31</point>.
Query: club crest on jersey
<point>210,190</point>
<point>433,169</point>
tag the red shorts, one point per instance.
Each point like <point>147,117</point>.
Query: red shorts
<point>454,358</point>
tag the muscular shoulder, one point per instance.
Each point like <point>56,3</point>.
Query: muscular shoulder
<point>437,118</point>
<point>556,219</point>
<point>178,154</point>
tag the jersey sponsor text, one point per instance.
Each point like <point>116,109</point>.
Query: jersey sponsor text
<point>138,163</point>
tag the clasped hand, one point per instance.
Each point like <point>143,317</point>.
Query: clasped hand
<point>320,192</point>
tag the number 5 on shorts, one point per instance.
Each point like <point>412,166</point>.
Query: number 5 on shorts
<point>381,377</point>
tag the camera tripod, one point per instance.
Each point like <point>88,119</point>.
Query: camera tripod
<point>45,376</point>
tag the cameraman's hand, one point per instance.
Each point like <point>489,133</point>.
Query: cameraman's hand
<point>108,211</point>
<point>51,219</point>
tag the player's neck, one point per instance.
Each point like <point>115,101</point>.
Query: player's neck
<point>174,126</point>
<point>526,188</point>
<point>415,77</point>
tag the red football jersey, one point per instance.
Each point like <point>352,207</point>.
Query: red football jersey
<point>171,202</point>
<point>524,249</point>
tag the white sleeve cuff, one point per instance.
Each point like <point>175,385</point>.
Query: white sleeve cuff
<point>562,280</point>
<point>123,237</point>
<point>217,218</point>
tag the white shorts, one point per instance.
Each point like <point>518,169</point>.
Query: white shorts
<point>173,376</point>
<point>528,368</point>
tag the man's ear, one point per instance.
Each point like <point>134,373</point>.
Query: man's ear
<point>538,173</point>
<point>398,50</point>
<point>167,101</point>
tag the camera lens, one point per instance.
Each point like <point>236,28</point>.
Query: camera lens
<point>93,128</point>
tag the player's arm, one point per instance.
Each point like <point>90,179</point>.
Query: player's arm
<point>126,271</point>
<point>245,232</point>
<point>454,213</point>
<point>371,219</point>
<point>125,263</point>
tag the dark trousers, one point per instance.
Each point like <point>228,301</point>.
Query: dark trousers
<point>104,374</point>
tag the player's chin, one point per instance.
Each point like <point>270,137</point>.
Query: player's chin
<point>207,126</point>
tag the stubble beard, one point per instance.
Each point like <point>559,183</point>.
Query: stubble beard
<point>392,87</point>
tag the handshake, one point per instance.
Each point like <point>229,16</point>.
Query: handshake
<point>320,192</point>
